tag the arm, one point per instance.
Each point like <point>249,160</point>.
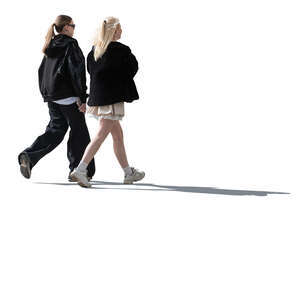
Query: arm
<point>88,63</point>
<point>41,74</point>
<point>130,65</point>
<point>76,68</point>
<point>122,61</point>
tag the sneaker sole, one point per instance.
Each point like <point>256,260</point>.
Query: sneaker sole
<point>25,167</point>
<point>72,180</point>
<point>75,179</point>
<point>132,181</point>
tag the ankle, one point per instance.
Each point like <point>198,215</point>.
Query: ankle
<point>82,167</point>
<point>127,170</point>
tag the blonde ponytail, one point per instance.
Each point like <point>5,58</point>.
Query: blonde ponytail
<point>99,40</point>
<point>104,36</point>
<point>59,24</point>
<point>50,34</point>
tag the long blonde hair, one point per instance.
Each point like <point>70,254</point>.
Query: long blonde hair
<point>104,35</point>
<point>59,24</point>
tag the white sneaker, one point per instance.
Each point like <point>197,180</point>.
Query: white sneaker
<point>81,178</point>
<point>135,176</point>
<point>72,180</point>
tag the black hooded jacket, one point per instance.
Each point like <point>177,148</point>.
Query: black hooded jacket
<point>62,71</point>
<point>112,75</point>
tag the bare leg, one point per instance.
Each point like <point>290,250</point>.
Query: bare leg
<point>105,128</point>
<point>118,142</point>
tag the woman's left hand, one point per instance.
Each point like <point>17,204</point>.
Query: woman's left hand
<point>81,106</point>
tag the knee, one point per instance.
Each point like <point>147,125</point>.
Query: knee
<point>100,136</point>
<point>117,136</point>
<point>78,125</point>
<point>61,131</point>
<point>103,132</point>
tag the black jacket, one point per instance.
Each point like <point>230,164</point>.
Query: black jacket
<point>62,71</point>
<point>112,75</point>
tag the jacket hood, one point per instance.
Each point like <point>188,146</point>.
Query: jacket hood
<point>58,45</point>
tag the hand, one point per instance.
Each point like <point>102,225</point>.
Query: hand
<point>81,106</point>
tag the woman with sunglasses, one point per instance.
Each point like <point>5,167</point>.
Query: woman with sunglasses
<point>62,83</point>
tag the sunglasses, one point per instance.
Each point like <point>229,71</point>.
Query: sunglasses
<point>72,25</point>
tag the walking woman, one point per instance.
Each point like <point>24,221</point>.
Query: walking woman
<point>62,83</point>
<point>111,66</point>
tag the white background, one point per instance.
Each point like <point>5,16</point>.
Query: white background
<point>216,130</point>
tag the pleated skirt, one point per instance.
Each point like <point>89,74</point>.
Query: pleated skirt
<point>113,111</point>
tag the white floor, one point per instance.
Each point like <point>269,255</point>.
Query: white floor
<point>152,240</point>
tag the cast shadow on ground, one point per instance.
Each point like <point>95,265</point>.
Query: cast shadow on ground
<point>170,188</point>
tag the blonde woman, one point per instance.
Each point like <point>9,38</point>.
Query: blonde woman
<point>111,66</point>
<point>62,82</point>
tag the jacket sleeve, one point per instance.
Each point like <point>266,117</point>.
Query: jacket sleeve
<point>76,70</point>
<point>41,74</point>
<point>130,65</point>
<point>123,62</point>
<point>88,63</point>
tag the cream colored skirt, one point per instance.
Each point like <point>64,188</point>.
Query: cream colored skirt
<point>113,111</point>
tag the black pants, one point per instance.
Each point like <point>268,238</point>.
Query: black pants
<point>61,117</point>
